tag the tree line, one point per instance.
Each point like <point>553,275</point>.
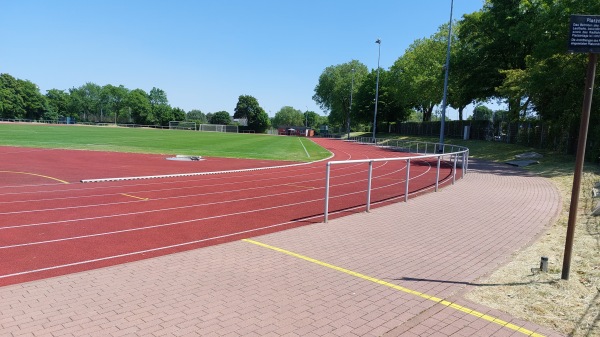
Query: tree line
<point>510,51</point>
<point>21,99</point>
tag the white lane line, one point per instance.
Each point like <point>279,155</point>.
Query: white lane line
<point>305,151</point>
<point>266,186</point>
<point>202,219</point>
<point>200,173</point>
<point>171,246</point>
<point>148,250</point>
<point>156,199</point>
<point>156,226</point>
<point>218,183</point>
<point>184,207</point>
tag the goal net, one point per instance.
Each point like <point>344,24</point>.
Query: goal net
<point>218,128</point>
<point>182,125</point>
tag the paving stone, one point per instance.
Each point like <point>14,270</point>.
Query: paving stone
<point>437,244</point>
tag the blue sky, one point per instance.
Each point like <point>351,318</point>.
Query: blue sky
<point>205,54</point>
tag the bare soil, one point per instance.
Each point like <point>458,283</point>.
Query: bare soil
<point>568,306</point>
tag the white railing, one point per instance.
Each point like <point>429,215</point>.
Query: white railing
<point>441,152</point>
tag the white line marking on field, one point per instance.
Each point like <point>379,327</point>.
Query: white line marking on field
<point>308,155</point>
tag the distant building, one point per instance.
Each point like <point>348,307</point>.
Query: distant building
<point>301,131</point>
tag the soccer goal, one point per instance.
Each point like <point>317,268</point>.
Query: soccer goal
<point>182,125</point>
<point>218,128</point>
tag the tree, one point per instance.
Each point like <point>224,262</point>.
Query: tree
<point>11,103</point>
<point>421,69</point>
<point>552,81</point>
<point>177,114</point>
<point>139,105</point>
<point>314,120</point>
<point>164,114</point>
<point>248,107</point>
<point>158,97</point>
<point>499,36</point>
<point>517,53</point>
<point>159,106</point>
<point>113,100</point>
<point>332,92</point>
<point>482,113</point>
<point>220,117</point>
<point>462,88</point>
<point>288,116</point>
<point>85,102</point>
<point>57,104</point>
<point>33,101</point>
<point>390,108</point>
<point>196,115</point>
<point>20,99</point>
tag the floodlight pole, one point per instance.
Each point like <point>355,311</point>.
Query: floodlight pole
<point>445,99</point>
<point>350,109</point>
<point>378,41</point>
<point>306,117</point>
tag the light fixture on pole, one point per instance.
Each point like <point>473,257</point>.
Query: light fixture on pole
<point>378,41</point>
<point>350,109</point>
<point>447,68</point>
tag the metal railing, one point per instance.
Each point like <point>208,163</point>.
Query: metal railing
<point>441,152</point>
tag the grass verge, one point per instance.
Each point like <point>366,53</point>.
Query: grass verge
<point>142,140</point>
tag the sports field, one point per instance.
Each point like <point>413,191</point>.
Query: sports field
<point>53,224</point>
<point>143,140</point>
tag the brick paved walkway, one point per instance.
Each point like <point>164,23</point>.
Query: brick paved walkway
<point>362,275</point>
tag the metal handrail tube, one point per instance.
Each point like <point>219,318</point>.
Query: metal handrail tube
<point>407,180</point>
<point>327,191</point>
<point>463,151</point>
<point>454,168</point>
<point>437,173</point>
<point>369,186</point>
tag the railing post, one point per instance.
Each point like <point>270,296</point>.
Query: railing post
<point>327,191</point>
<point>369,186</point>
<point>454,169</point>
<point>407,180</point>
<point>464,158</point>
<point>462,164</point>
<point>437,173</point>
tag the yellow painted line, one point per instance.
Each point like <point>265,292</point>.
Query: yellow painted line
<point>37,175</point>
<point>133,196</point>
<point>403,289</point>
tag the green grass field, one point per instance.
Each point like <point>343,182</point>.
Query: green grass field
<point>139,140</point>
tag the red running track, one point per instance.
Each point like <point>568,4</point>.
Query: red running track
<point>52,224</point>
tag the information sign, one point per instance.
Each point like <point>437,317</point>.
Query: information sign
<point>584,34</point>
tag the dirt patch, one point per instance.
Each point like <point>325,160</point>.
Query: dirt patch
<point>571,307</point>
